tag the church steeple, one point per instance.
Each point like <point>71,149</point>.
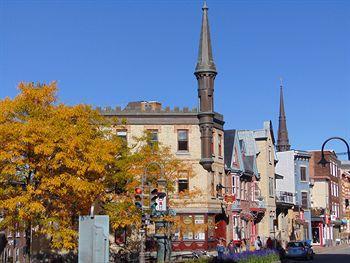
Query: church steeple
<point>282,141</point>
<point>205,73</point>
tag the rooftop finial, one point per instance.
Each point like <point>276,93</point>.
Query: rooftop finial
<point>281,82</point>
<point>205,7</point>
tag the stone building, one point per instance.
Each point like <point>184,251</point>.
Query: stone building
<point>193,135</point>
<point>326,198</point>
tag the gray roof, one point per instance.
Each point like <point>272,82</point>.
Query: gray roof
<point>229,140</point>
<point>249,142</point>
<point>248,162</point>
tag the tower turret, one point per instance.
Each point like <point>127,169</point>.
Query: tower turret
<point>205,73</point>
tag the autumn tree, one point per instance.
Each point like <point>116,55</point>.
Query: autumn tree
<point>55,161</point>
<point>58,160</point>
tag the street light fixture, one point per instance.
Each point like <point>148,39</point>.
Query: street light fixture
<point>323,160</point>
<point>143,182</point>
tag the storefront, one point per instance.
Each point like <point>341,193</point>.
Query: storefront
<point>199,231</point>
<point>317,231</point>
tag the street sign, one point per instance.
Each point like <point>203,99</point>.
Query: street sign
<point>229,198</point>
<point>161,204</point>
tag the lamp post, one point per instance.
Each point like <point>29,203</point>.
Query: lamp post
<point>323,160</point>
<point>143,230</point>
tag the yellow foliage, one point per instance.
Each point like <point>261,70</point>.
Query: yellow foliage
<point>54,162</point>
<point>58,160</point>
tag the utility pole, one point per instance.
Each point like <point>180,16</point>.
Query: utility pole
<point>142,230</point>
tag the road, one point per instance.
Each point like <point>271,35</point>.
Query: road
<point>333,255</point>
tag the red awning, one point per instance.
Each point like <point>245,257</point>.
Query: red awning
<point>258,209</point>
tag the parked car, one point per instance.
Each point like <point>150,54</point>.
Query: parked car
<point>299,249</point>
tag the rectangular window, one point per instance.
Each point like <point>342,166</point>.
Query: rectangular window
<point>303,173</point>
<point>336,189</point>
<point>235,227</point>
<point>271,187</point>
<point>220,145</point>
<point>187,233</point>
<point>153,137</point>
<point>235,186</point>
<point>257,193</point>
<point>270,155</point>
<point>212,184</point>
<point>242,191</point>
<point>199,227</point>
<point>212,144</point>
<point>182,140</point>
<point>246,191</point>
<point>271,224</point>
<point>336,170</point>
<point>304,200</point>
<point>183,185</point>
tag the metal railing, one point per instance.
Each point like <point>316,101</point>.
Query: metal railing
<point>285,197</point>
<point>236,205</point>
<point>260,201</point>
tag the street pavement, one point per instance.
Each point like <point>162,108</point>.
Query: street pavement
<point>338,254</point>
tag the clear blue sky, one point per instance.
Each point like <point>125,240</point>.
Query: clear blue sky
<point>111,52</point>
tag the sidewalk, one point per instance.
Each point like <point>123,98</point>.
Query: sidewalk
<point>323,250</point>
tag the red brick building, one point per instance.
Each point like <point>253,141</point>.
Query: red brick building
<point>326,198</point>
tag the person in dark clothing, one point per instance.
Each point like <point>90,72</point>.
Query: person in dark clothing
<point>269,243</point>
<point>220,248</point>
<point>231,247</point>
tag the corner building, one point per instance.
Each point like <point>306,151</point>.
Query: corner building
<point>194,135</point>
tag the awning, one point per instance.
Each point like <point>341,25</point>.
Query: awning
<point>258,209</point>
<point>317,219</point>
<point>278,176</point>
<point>336,222</point>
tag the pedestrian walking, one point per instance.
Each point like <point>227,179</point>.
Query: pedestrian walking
<point>245,245</point>
<point>231,248</point>
<point>220,248</point>
<point>269,243</point>
<point>258,243</point>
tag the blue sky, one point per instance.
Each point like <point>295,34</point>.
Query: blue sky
<point>107,53</point>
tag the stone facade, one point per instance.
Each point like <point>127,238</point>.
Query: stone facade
<point>140,117</point>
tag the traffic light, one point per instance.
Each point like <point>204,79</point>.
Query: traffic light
<point>157,202</point>
<point>138,197</point>
<point>153,200</point>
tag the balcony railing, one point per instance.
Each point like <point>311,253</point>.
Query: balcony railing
<point>236,205</point>
<point>285,197</point>
<point>261,202</point>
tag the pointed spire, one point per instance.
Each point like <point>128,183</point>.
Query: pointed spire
<point>205,61</point>
<point>282,141</point>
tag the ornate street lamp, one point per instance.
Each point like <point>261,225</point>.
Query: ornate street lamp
<point>323,160</point>
<point>160,181</point>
